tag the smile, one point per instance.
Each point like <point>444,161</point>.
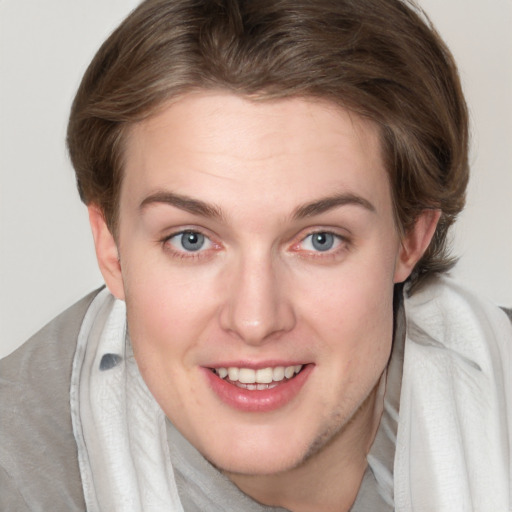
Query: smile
<point>258,390</point>
<point>263,378</point>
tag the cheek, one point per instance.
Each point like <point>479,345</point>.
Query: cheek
<point>355,292</point>
<point>167,320</point>
<point>351,309</point>
<point>168,310</point>
<point>165,292</point>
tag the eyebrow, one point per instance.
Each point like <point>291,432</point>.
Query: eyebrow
<point>328,203</point>
<point>185,203</point>
<point>197,207</point>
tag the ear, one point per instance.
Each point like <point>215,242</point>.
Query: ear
<point>415,243</point>
<point>106,252</point>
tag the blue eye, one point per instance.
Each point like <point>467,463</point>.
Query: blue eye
<point>321,241</point>
<point>189,241</point>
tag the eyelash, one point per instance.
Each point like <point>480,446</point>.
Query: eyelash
<point>341,244</point>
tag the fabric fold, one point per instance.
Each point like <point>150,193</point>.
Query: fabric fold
<point>453,451</point>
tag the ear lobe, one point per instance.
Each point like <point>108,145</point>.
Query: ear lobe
<point>415,243</point>
<point>106,252</point>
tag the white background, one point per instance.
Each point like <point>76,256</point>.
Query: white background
<point>46,252</point>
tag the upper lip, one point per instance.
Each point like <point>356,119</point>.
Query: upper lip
<point>255,365</point>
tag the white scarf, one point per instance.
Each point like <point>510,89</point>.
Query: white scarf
<point>454,434</point>
<point>119,428</point>
<point>453,448</point>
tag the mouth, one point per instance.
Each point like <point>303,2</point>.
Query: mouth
<point>258,389</point>
<point>260,379</point>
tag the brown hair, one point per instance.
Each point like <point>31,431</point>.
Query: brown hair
<point>381,59</point>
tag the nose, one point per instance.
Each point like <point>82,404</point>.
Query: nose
<point>257,307</point>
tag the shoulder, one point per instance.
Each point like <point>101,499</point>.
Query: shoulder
<point>38,463</point>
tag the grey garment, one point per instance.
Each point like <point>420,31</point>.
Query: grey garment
<point>38,455</point>
<point>202,487</point>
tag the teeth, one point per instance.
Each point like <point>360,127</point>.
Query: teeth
<point>258,379</point>
<point>264,376</point>
<point>246,376</point>
<point>289,372</point>
<point>278,373</point>
<point>233,373</point>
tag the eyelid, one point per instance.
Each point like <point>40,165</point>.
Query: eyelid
<point>178,230</point>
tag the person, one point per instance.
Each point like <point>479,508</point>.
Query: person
<point>270,187</point>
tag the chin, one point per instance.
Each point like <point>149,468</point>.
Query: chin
<point>257,465</point>
<point>262,454</point>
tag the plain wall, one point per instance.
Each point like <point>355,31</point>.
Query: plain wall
<point>46,253</point>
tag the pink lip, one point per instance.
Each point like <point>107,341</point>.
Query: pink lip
<point>258,401</point>
<point>255,365</point>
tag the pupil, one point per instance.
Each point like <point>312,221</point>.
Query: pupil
<point>192,241</point>
<point>323,241</point>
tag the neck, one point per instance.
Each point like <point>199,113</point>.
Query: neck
<point>329,480</point>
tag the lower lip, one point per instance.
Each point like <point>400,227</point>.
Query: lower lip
<point>264,400</point>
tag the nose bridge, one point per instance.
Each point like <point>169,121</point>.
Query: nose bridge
<point>257,305</point>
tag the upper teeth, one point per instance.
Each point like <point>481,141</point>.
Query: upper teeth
<point>261,376</point>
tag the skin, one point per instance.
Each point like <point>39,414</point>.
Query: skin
<point>259,290</point>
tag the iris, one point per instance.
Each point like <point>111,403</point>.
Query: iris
<point>192,241</point>
<point>322,241</point>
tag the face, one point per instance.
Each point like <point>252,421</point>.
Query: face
<point>258,254</point>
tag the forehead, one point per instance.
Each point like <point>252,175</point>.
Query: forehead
<point>224,147</point>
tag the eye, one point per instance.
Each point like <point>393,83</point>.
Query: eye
<point>189,241</point>
<point>321,241</point>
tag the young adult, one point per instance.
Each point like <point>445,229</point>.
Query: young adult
<point>270,186</point>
